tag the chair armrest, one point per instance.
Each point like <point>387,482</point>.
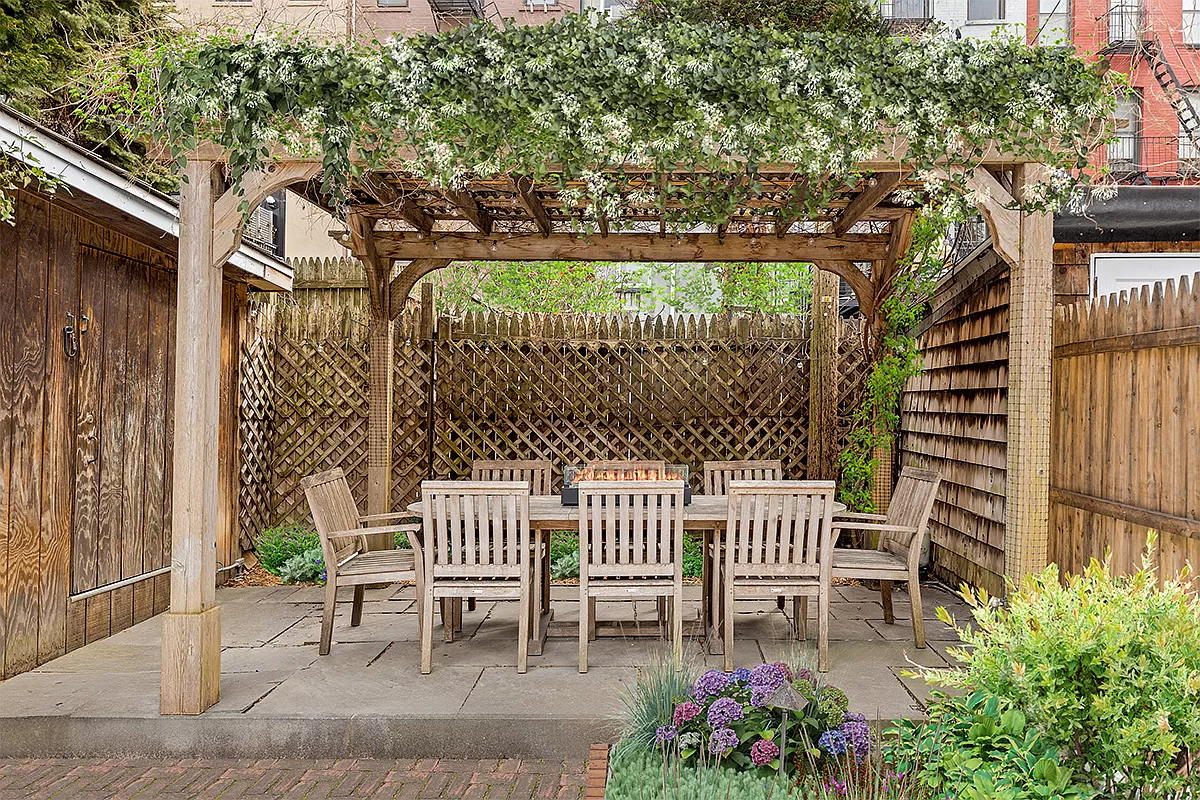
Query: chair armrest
<point>873,527</point>
<point>391,515</point>
<point>372,531</point>
<point>857,516</point>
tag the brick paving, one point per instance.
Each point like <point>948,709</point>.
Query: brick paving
<point>405,779</point>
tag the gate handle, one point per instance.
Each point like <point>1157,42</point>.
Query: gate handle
<point>70,340</point>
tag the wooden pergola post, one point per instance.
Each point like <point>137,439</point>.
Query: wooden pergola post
<point>1031,317</point>
<point>191,630</point>
<point>823,376</point>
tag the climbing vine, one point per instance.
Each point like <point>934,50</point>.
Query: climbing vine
<point>587,100</point>
<point>895,360</point>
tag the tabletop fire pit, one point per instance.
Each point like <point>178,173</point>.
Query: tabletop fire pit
<point>573,475</point>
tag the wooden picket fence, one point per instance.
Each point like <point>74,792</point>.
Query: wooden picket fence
<point>1125,431</point>
<point>568,388</point>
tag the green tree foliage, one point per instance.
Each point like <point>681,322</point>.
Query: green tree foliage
<point>858,17</point>
<point>42,43</point>
<point>530,286</point>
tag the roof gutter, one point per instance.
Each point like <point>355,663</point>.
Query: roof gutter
<point>23,139</point>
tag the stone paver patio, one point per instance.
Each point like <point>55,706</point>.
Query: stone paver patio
<point>368,699</point>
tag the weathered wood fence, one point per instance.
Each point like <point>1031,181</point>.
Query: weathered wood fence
<point>568,388</point>
<point>1125,433</point>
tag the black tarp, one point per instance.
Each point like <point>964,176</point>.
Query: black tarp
<point>1136,214</point>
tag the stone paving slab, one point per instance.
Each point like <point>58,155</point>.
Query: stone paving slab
<point>405,779</point>
<point>368,698</point>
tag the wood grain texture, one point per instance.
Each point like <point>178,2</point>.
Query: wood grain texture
<point>1124,438</point>
<point>59,447</point>
<point>113,389</point>
<point>28,410</point>
<point>161,285</point>
<point>133,519</point>
<point>88,411</point>
<point>8,304</point>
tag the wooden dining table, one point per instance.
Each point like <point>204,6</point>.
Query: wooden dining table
<point>702,517</point>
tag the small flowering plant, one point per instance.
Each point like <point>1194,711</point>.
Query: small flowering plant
<point>730,717</point>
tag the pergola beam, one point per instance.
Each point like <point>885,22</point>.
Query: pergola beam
<point>402,285</point>
<point>386,195</point>
<point>232,207</point>
<point>469,208</point>
<point>867,199</point>
<point>528,199</point>
<point>404,245</point>
<point>999,209</point>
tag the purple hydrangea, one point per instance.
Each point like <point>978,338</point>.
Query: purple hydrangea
<point>767,678</point>
<point>685,712</point>
<point>710,684</point>
<point>722,741</point>
<point>723,711</point>
<point>857,733</point>
<point>758,697</point>
<point>806,675</point>
<point>665,733</point>
<point>741,674</point>
<point>763,752</point>
<point>785,670</point>
<point>833,742</point>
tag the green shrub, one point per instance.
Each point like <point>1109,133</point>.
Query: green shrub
<point>276,545</point>
<point>979,747</point>
<point>638,775</point>
<point>1107,668</point>
<point>401,540</point>
<point>565,566</point>
<point>307,567</point>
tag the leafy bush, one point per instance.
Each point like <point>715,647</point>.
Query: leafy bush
<point>979,747</point>
<point>307,567</point>
<point>565,566</point>
<point>275,546</point>
<point>1107,668</point>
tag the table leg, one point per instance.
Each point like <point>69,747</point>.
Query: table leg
<point>716,645</point>
<point>540,605</point>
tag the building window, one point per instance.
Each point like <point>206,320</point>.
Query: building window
<point>541,5</point>
<point>392,3</point>
<point>983,10</point>
<point>906,9</point>
<point>617,8</point>
<point>1123,154</point>
<point>1191,22</point>
<point>1054,21</point>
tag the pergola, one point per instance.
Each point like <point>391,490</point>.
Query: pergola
<point>402,228</point>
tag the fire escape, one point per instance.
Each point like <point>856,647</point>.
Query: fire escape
<point>1129,32</point>
<point>450,13</point>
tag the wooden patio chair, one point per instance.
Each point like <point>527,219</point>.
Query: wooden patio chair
<point>778,541</point>
<point>898,554</point>
<point>348,559</point>
<point>538,473</point>
<point>477,545</point>
<point>630,547</point>
<point>718,474</point>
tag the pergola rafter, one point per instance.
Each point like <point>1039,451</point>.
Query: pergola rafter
<point>397,217</point>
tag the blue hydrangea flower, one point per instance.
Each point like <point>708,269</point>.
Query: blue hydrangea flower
<point>833,742</point>
<point>767,678</point>
<point>857,733</point>
<point>723,711</point>
<point>665,733</point>
<point>741,674</point>
<point>722,741</point>
<point>710,684</point>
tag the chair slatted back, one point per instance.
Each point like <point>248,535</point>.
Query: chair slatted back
<point>718,474</point>
<point>779,527</point>
<point>333,510</point>
<point>911,505</point>
<point>476,529</point>
<point>537,473</point>
<point>628,466</point>
<point>631,529</point>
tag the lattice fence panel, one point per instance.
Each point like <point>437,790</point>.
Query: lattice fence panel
<point>853,370</point>
<point>576,388</point>
<point>569,388</point>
